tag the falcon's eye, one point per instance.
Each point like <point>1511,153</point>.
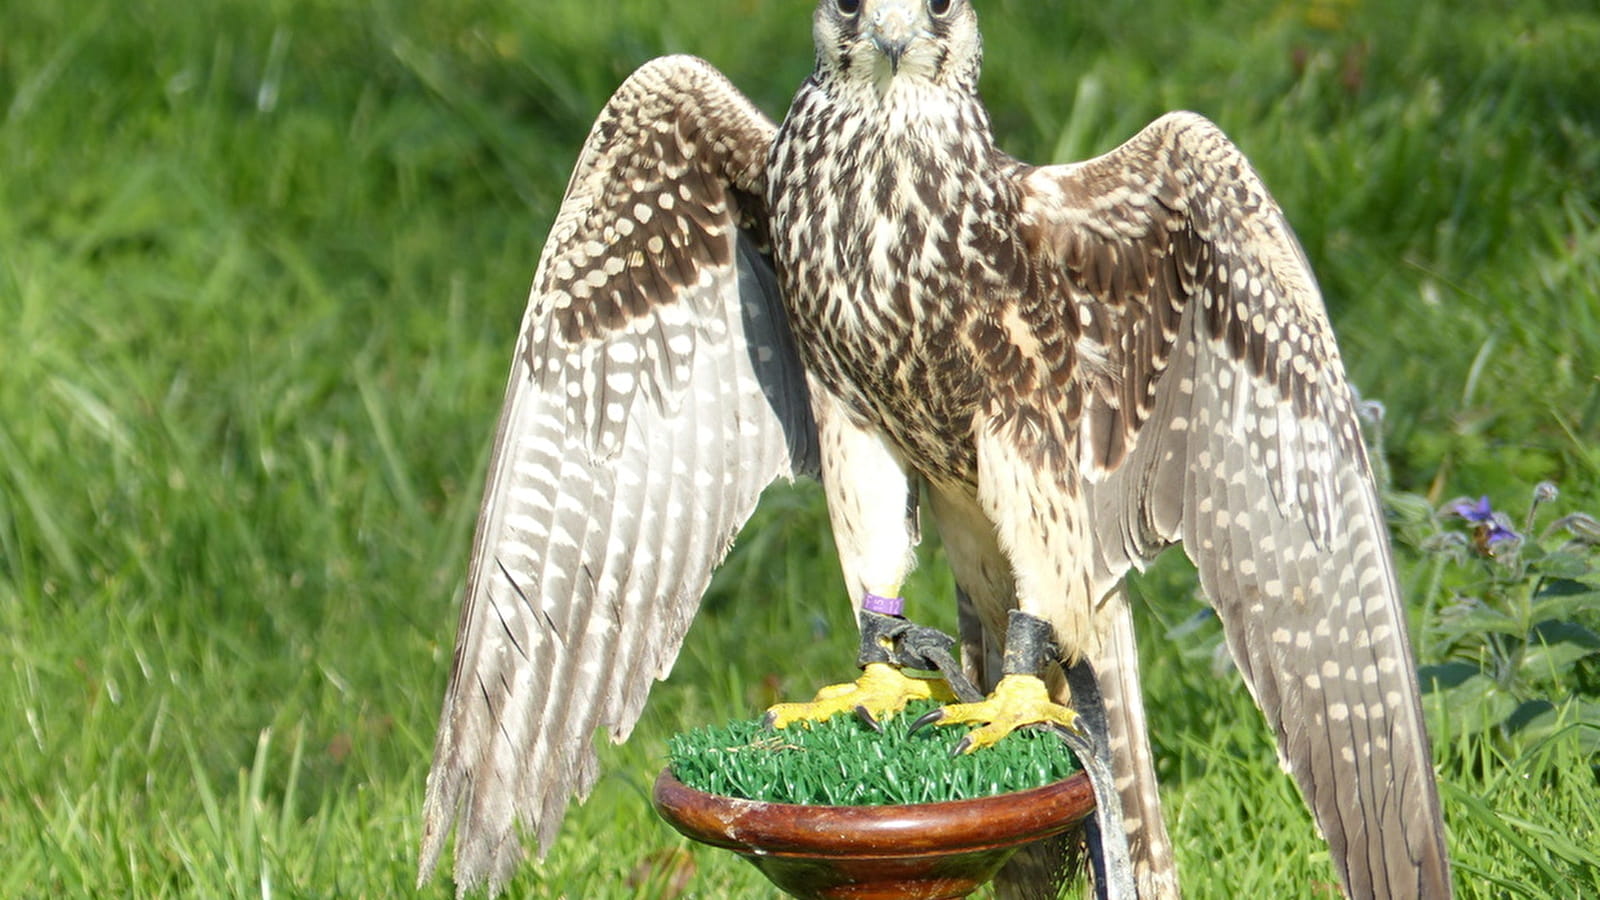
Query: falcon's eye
<point>848,7</point>
<point>939,7</point>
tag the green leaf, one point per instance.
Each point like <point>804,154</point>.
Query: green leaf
<point>1555,646</point>
<point>1561,598</point>
<point>1473,706</point>
<point>1542,720</point>
<point>1477,618</point>
<point>1406,508</point>
<point>1444,676</point>
<point>1526,713</point>
<point>1563,564</point>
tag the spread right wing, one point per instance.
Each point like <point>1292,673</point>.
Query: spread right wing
<point>655,392</point>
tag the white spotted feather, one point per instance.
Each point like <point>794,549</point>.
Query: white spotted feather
<point>632,446</point>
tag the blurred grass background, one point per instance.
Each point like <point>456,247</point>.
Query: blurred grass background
<point>261,266</point>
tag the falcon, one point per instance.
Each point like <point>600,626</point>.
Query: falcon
<point>1067,367</point>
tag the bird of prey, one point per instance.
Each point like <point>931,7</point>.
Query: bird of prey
<point>1072,366</point>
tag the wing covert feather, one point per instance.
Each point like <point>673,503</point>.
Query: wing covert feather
<point>1218,415</point>
<point>654,393</point>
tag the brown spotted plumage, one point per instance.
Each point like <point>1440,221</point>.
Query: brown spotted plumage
<point>1079,365</point>
<point>654,393</point>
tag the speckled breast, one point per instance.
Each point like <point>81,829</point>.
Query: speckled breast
<point>875,243</point>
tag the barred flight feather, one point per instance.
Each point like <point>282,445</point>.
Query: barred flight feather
<point>627,397</point>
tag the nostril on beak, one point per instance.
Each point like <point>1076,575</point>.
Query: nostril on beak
<point>892,49</point>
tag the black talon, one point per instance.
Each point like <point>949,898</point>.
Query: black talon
<point>867,718</point>
<point>926,719</point>
<point>1075,731</point>
<point>1079,741</point>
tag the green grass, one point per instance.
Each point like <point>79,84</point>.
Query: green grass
<point>843,762</point>
<point>261,265</point>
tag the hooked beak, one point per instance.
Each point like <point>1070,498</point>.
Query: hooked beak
<point>892,28</point>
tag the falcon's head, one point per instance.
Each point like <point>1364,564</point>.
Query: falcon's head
<point>881,42</point>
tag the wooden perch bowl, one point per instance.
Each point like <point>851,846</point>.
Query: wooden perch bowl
<point>916,852</point>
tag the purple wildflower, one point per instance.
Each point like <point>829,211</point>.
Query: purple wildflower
<point>1489,527</point>
<point>1474,512</point>
<point>1497,531</point>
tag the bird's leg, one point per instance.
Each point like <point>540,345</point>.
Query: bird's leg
<point>894,641</point>
<point>889,644</point>
<point>901,644</point>
<point>873,509</point>
<point>1020,698</point>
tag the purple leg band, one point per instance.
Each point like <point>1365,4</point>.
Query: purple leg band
<point>888,606</point>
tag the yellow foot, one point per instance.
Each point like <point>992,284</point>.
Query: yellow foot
<point>1018,700</point>
<point>880,692</point>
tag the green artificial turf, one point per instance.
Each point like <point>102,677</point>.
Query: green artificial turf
<point>843,762</point>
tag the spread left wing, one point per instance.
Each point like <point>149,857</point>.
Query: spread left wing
<point>1216,413</point>
<point>654,393</point>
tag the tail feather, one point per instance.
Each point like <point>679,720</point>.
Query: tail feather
<point>1154,868</point>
